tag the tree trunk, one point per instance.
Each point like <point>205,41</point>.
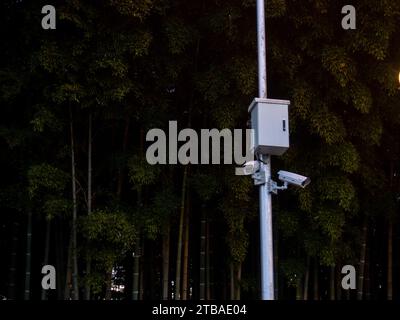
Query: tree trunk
<point>180,236</point>
<point>185,254</point>
<point>238,280</point>
<point>306,278</point>
<point>136,270</point>
<point>89,204</point>
<point>108,284</point>
<point>360,284</point>
<point>88,271</point>
<point>232,280</point>
<point>235,278</point>
<point>390,245</point>
<point>225,287</point>
<point>316,280</point>
<point>152,270</point>
<point>60,274</point>
<point>367,286</point>
<point>137,278</point>
<point>338,282</point>
<point>209,284</point>
<point>203,254</point>
<point>12,270</point>
<point>90,167</point>
<point>141,279</point>
<point>68,276</point>
<point>75,293</point>
<point>124,148</point>
<point>28,259</point>
<point>299,289</point>
<point>390,262</point>
<point>165,257</point>
<point>46,254</point>
<point>332,283</point>
<point>183,196</point>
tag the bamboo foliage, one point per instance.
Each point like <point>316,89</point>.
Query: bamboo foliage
<point>77,191</point>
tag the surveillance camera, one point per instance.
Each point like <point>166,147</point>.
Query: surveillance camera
<point>248,168</point>
<point>294,178</point>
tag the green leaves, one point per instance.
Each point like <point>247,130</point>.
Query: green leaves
<point>292,269</point>
<point>327,124</point>
<point>244,72</point>
<point>339,189</point>
<point>212,84</point>
<point>133,8</point>
<point>111,235</point>
<point>206,186</point>
<point>10,84</point>
<point>236,208</point>
<point>12,136</point>
<point>288,223</point>
<point>179,35</point>
<point>276,8</point>
<point>68,92</point>
<point>56,206</point>
<point>330,221</point>
<point>112,227</point>
<point>159,212</point>
<point>141,173</point>
<point>374,35</point>
<point>140,44</point>
<point>45,118</point>
<point>50,57</point>
<point>339,64</point>
<point>362,98</point>
<point>386,75</point>
<point>301,101</point>
<point>46,187</point>
<point>45,177</point>
<point>343,156</point>
<point>369,129</point>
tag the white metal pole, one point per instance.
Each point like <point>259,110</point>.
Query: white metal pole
<point>266,239</point>
<point>261,47</point>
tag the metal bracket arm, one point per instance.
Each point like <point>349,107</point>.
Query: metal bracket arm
<point>259,178</point>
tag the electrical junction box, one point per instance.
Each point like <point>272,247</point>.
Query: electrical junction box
<point>270,121</point>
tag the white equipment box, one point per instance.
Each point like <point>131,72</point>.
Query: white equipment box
<point>270,121</point>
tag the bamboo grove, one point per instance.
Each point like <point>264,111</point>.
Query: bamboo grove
<point>76,191</point>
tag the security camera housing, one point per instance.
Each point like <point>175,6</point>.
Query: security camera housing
<point>248,168</point>
<point>294,178</point>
